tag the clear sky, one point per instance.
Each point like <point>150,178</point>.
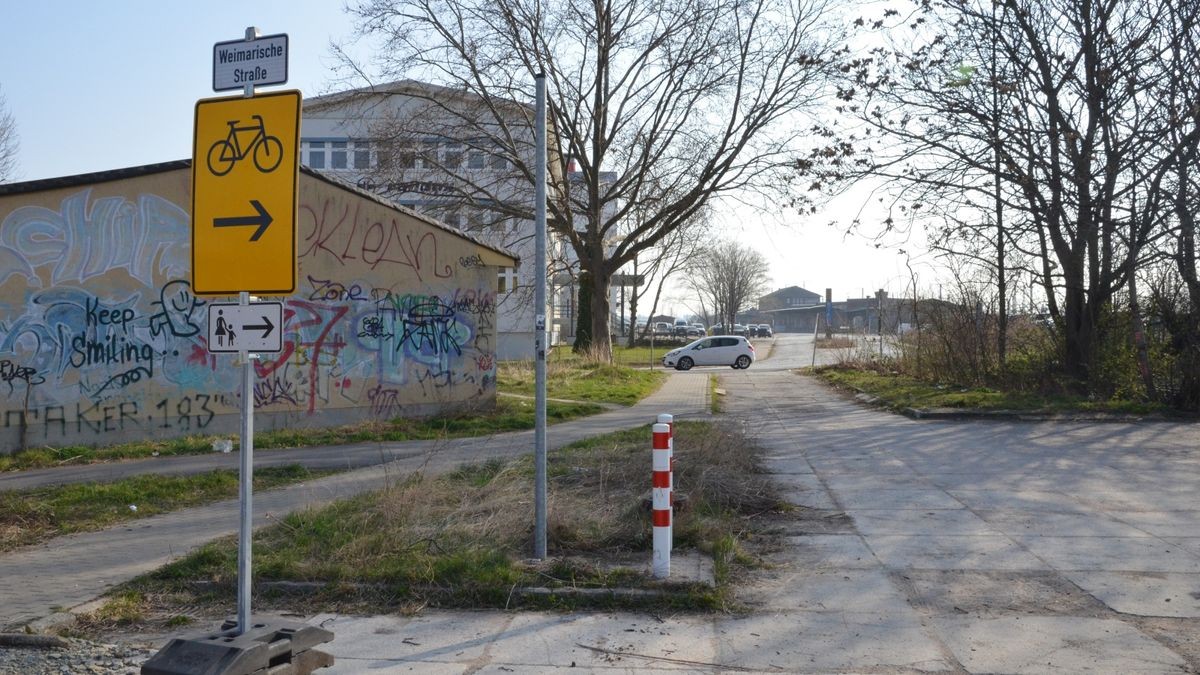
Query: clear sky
<point>95,86</point>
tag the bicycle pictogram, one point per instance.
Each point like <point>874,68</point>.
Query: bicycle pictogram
<point>266,151</point>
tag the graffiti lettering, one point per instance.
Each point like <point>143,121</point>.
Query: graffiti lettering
<point>188,413</point>
<point>10,371</point>
<point>90,351</point>
<point>82,242</point>
<point>385,403</point>
<point>373,243</point>
<point>272,390</point>
<point>470,261</point>
<point>372,326</point>
<point>429,327</point>
<point>327,290</point>
<point>121,380</point>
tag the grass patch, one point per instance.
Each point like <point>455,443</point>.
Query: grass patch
<point>714,399</point>
<point>580,380</point>
<point>896,391</point>
<point>641,356</point>
<point>461,539</point>
<point>508,415</point>
<point>32,516</point>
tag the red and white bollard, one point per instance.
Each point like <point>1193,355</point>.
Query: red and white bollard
<point>660,492</point>
<point>669,420</point>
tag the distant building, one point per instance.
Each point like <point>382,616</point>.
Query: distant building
<point>421,146</point>
<point>787,298</point>
<point>795,310</point>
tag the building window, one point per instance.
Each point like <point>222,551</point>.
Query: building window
<point>475,159</point>
<point>337,155</point>
<point>362,154</point>
<point>406,157</point>
<point>452,156</point>
<point>498,161</point>
<point>506,280</point>
<point>316,154</point>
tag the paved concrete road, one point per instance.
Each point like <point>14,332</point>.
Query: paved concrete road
<point>917,546</point>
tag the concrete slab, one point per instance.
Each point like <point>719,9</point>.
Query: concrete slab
<point>1118,500</point>
<point>913,521</point>
<point>1126,554</point>
<point>1043,523</point>
<point>808,498</point>
<point>825,551</point>
<point>1143,593</point>
<point>990,593</point>
<point>1163,523</point>
<point>798,588</point>
<point>432,642</point>
<point>562,640</point>
<point>1036,644</point>
<point>860,464</point>
<point>781,465</point>
<point>967,552</point>
<point>822,642</point>
<point>839,482</point>
<point>1024,500</point>
<point>898,498</point>
<point>799,482</point>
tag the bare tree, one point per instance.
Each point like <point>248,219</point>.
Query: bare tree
<point>8,143</point>
<point>1070,97</point>
<point>729,279</point>
<point>695,99</point>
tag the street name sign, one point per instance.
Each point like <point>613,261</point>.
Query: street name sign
<point>260,62</point>
<point>256,327</point>
<point>245,169</point>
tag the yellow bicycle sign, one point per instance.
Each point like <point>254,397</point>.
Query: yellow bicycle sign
<point>244,178</point>
<point>267,151</point>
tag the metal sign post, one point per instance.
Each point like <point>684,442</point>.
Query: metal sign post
<point>539,416</point>
<point>237,156</point>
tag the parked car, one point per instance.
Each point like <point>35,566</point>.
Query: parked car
<point>717,329</point>
<point>695,330</point>
<point>681,328</point>
<point>662,328</point>
<point>717,350</point>
<point>763,330</point>
<point>739,329</point>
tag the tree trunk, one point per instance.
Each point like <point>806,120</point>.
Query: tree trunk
<point>583,318</point>
<point>1077,328</point>
<point>631,341</point>
<point>601,312</point>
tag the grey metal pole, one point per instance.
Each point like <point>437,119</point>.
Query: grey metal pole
<point>245,484</point>
<point>539,303</point>
<point>246,465</point>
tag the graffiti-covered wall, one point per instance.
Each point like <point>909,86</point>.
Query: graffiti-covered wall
<point>102,340</point>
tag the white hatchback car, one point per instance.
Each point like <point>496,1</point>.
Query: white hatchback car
<point>719,350</point>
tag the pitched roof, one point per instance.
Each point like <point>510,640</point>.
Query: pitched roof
<point>82,179</point>
<point>791,290</point>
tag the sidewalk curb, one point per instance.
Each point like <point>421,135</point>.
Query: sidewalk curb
<point>1027,416</point>
<point>1009,415</point>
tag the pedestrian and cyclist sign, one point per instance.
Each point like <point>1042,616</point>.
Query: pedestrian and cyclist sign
<point>244,175</point>
<point>256,327</point>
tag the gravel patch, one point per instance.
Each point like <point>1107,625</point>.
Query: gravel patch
<point>77,657</point>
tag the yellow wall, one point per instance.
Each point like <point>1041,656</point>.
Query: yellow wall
<point>102,340</point>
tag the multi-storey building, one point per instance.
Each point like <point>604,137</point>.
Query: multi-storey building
<point>434,150</point>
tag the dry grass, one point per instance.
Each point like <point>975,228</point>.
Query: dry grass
<point>461,539</point>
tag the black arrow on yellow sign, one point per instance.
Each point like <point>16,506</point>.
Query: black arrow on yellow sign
<point>262,220</point>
